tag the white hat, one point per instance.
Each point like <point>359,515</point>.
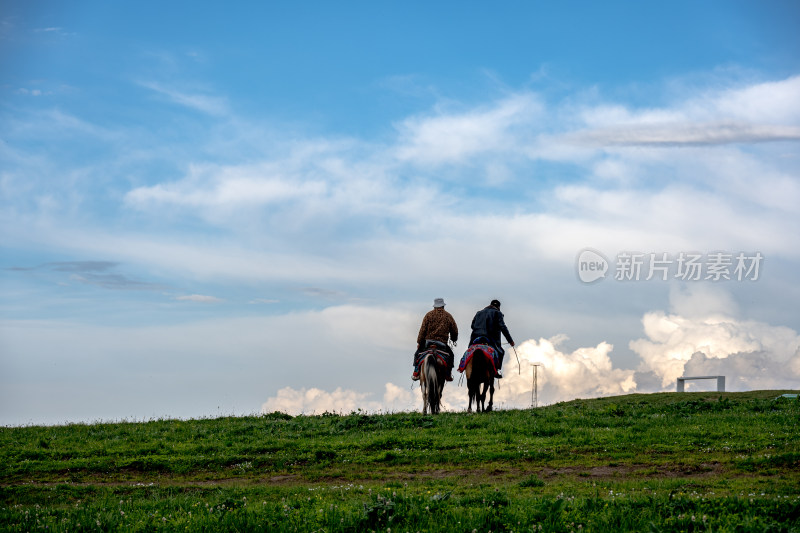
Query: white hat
<point>438,302</point>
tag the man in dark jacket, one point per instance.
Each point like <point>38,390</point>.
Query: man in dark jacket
<point>437,326</point>
<point>488,323</point>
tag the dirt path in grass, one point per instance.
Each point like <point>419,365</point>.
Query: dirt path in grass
<point>500,475</point>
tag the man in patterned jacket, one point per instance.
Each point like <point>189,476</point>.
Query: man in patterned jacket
<point>437,325</point>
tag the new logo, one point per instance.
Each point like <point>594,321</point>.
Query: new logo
<point>591,265</point>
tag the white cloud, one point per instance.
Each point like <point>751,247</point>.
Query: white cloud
<point>318,401</point>
<point>314,401</point>
<point>583,373</point>
<point>32,92</point>
<point>720,195</point>
<point>750,353</point>
<point>702,301</point>
<point>759,112</point>
<point>281,213</point>
<point>756,370</point>
<point>330,360</point>
<point>702,336</point>
<point>344,401</point>
<point>772,102</point>
<point>228,187</point>
<point>456,138</point>
<point>202,298</point>
<point>708,340</point>
<point>205,103</point>
<point>679,217</point>
<point>53,30</point>
<point>344,216</point>
<point>178,254</point>
<point>309,186</point>
<point>687,133</point>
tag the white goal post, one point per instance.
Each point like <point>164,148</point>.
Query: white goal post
<point>720,382</point>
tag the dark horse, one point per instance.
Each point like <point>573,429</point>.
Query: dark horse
<point>432,373</point>
<point>480,371</point>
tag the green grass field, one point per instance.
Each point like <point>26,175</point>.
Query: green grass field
<point>656,462</point>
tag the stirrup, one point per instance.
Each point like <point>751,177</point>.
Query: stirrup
<point>415,376</point>
<point>499,375</point>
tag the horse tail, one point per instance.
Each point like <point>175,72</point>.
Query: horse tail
<point>482,367</point>
<point>429,369</point>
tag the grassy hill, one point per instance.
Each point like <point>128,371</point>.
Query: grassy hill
<point>657,462</point>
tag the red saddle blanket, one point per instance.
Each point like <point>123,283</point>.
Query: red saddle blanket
<point>478,348</point>
<point>436,353</point>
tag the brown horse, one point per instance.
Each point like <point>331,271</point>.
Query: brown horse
<point>432,373</point>
<point>480,371</point>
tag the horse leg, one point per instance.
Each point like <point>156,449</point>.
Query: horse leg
<point>423,387</point>
<point>439,391</point>
<point>491,394</point>
<point>432,399</point>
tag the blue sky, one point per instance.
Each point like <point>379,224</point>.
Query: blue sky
<point>212,210</point>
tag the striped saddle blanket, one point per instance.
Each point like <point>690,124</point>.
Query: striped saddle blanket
<point>436,353</point>
<point>478,348</point>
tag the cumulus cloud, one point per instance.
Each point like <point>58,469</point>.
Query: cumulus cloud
<point>702,335</point>
<point>750,354</point>
<point>708,340</point>
<point>317,401</point>
<point>754,370</point>
<point>583,373</point>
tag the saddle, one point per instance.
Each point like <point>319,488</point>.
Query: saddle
<point>477,346</point>
<point>434,348</point>
<point>432,343</point>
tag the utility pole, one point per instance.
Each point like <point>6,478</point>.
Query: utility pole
<point>535,387</point>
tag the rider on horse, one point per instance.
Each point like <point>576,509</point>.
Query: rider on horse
<point>437,326</point>
<point>488,323</point>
